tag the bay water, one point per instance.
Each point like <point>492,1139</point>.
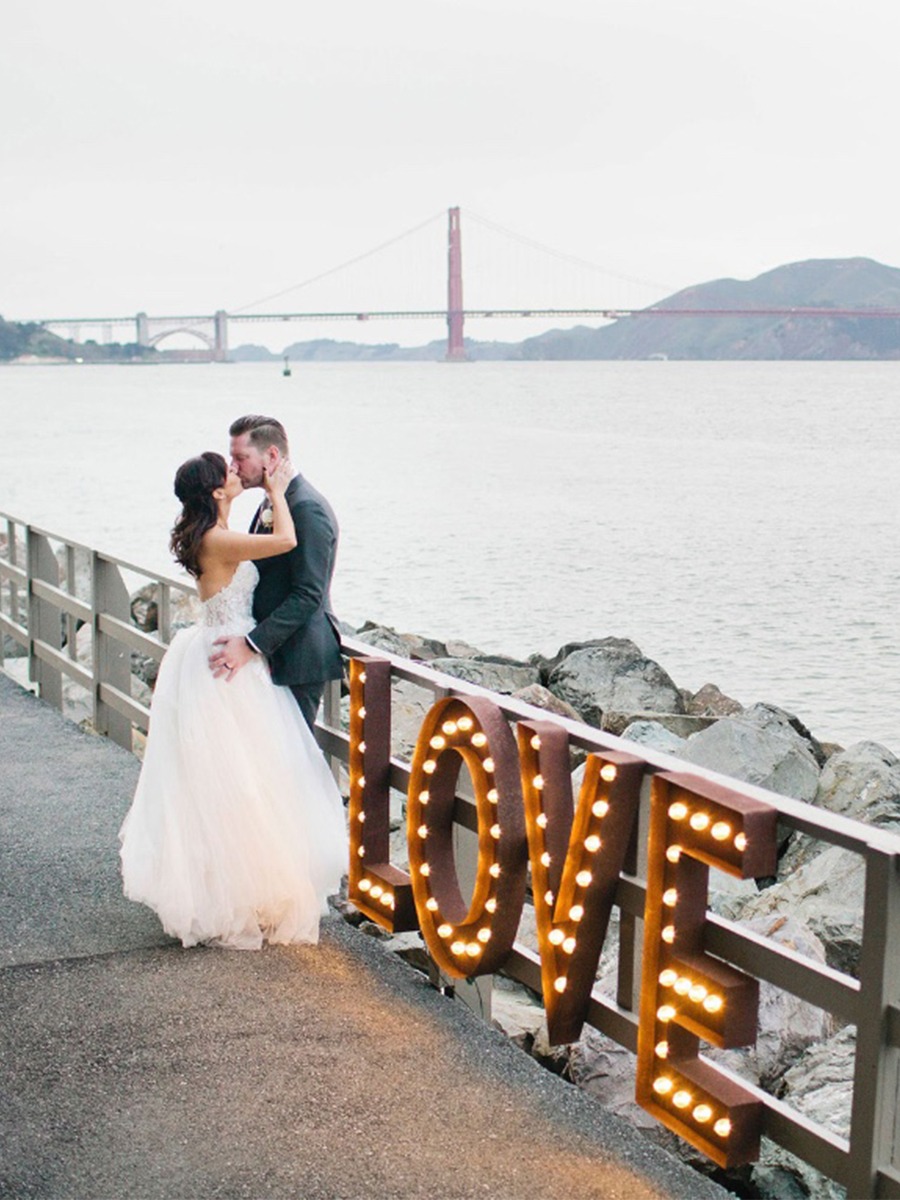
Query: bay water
<point>738,521</point>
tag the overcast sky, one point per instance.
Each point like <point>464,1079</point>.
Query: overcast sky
<point>189,155</point>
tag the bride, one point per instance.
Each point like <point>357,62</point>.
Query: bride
<point>236,834</point>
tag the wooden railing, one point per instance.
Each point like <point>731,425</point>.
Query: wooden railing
<point>41,575</point>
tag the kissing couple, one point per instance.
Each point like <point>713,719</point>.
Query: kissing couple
<point>236,834</point>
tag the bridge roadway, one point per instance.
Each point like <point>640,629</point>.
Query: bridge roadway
<point>131,1068</point>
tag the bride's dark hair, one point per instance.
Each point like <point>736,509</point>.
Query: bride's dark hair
<point>195,482</point>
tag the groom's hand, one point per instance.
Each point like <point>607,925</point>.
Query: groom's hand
<point>233,654</point>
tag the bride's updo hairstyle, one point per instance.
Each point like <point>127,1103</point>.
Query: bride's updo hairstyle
<point>195,482</point>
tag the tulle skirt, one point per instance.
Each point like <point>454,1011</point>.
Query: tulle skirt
<point>237,832</point>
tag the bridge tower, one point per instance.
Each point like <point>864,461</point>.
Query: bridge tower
<point>455,346</point>
<point>220,320</point>
<point>142,329</point>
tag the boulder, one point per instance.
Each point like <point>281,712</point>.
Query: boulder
<point>787,1026</point>
<point>497,674</point>
<point>710,702</point>
<point>515,1012</point>
<point>827,893</point>
<point>820,1087</point>
<point>541,697</point>
<point>613,675</point>
<point>655,736</point>
<point>184,608</point>
<point>760,746</point>
<point>861,782</point>
<point>405,645</point>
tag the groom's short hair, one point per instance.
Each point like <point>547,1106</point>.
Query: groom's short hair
<point>263,431</point>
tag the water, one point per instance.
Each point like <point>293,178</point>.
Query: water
<point>737,520</point>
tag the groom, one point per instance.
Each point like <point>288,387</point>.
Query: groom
<point>295,627</point>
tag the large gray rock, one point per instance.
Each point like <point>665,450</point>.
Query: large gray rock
<point>710,701</point>
<point>820,1087</point>
<point>861,782</point>
<point>655,736</point>
<point>541,697</point>
<point>760,746</point>
<point>787,1026</point>
<point>497,674</point>
<point>406,645</point>
<point>612,675</point>
<point>827,894</point>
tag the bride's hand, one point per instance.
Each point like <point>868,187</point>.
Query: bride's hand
<point>276,483</point>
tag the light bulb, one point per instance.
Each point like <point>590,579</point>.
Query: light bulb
<point>560,983</point>
<point>678,811</point>
<point>538,782</point>
<point>682,985</point>
<point>713,1003</point>
<point>697,993</point>
<point>444,931</point>
<point>458,947</point>
<point>670,897</point>
<point>479,739</point>
<point>673,854</point>
<point>361,781</point>
<point>494,869</point>
<point>429,766</point>
<point>361,852</point>
<point>662,1086</point>
<point>545,859</point>
<point>740,842</point>
<point>386,899</point>
<point>365,884</point>
<point>431,904</point>
<point>699,821</point>
<point>665,1013</point>
<point>535,742</point>
<point>465,724</point>
<point>668,934</point>
<point>576,912</point>
<point>592,844</point>
<point>449,727</point>
<point>548,897</point>
<point>425,869</point>
<point>473,949</point>
<point>600,808</point>
<point>541,820</point>
<point>362,677</point>
<point>569,945</point>
<point>662,1049</point>
<point>422,831</point>
<point>702,1113</point>
<point>682,1099</point>
<point>495,831</point>
<point>722,1127</point>
<point>376,891</point>
<point>608,772</point>
<point>362,747</point>
<point>583,878</point>
<point>438,742</point>
<point>488,765</point>
<point>424,797</point>
<point>721,831</point>
<point>483,935</point>
<point>362,712</point>
<point>491,904</point>
<point>361,816</point>
<point>667,977</point>
<point>556,937</point>
<point>492,795</point>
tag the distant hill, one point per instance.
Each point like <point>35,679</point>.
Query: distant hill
<point>826,283</point>
<point>30,342</point>
<point>817,283</point>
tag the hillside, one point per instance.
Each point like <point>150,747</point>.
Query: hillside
<point>28,341</point>
<point>824,283</point>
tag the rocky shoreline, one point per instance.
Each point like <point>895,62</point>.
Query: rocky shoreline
<point>813,905</point>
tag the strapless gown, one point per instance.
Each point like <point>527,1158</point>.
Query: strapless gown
<point>237,832</point>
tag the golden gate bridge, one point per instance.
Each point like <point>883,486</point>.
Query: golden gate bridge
<point>213,329</point>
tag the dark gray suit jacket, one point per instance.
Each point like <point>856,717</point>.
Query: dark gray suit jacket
<point>296,629</point>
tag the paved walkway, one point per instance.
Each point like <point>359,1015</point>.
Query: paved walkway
<point>132,1068</point>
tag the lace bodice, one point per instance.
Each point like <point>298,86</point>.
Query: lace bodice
<point>231,609</point>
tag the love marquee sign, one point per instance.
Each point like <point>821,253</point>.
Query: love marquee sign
<point>576,851</point>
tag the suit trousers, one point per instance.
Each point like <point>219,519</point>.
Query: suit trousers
<point>308,697</point>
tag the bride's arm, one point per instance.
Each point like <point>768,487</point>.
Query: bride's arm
<point>228,545</point>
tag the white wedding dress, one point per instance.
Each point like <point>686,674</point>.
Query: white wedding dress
<point>236,834</point>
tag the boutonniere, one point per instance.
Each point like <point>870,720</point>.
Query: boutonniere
<point>267,518</point>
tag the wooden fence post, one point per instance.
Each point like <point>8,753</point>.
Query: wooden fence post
<point>44,620</point>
